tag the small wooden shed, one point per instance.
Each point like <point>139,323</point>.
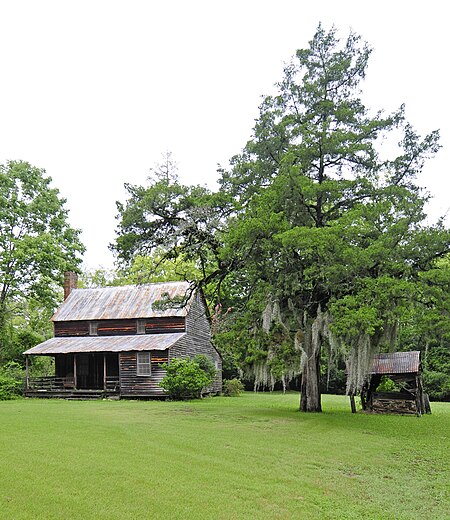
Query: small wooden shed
<point>404,369</point>
<point>113,340</point>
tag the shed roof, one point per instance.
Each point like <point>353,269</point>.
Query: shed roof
<point>129,301</point>
<point>105,344</point>
<point>396,363</point>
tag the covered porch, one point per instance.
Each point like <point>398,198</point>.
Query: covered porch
<point>101,366</point>
<point>77,374</point>
<point>84,366</point>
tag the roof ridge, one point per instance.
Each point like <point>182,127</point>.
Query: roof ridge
<point>130,285</point>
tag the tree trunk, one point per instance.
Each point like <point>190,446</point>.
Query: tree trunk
<point>4,337</point>
<point>310,388</point>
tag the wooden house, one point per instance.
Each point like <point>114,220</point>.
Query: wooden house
<point>405,370</point>
<point>113,340</point>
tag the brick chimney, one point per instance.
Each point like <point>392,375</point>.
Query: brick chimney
<point>70,282</point>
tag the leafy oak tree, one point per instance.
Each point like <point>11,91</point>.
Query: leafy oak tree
<point>319,238</point>
<point>167,228</point>
<point>37,244</point>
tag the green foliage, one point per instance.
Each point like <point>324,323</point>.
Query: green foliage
<point>11,381</point>
<point>232,387</point>
<point>437,385</point>
<point>387,385</point>
<point>438,359</point>
<point>14,341</point>
<point>92,278</point>
<point>41,366</point>
<point>36,242</point>
<point>158,267</point>
<point>37,245</point>
<point>325,225</point>
<point>313,238</point>
<point>205,363</point>
<point>170,218</point>
<point>333,376</point>
<point>10,388</point>
<point>186,379</point>
<point>25,340</point>
<point>436,375</point>
<point>426,327</point>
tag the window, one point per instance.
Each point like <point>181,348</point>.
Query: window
<point>140,327</point>
<point>144,367</point>
<point>93,326</point>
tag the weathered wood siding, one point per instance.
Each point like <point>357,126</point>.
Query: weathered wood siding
<point>72,328</point>
<point>116,327</point>
<point>133,385</point>
<point>198,340</point>
<point>161,325</point>
<point>393,402</point>
<point>119,327</point>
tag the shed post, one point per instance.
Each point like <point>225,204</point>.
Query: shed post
<point>419,402</point>
<point>426,403</point>
<point>75,371</point>
<point>120,371</point>
<point>27,378</point>
<point>104,372</point>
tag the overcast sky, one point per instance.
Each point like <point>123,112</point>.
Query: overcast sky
<point>96,91</point>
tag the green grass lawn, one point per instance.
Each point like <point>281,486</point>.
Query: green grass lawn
<point>253,456</point>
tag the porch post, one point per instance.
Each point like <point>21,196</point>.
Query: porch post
<point>104,371</point>
<point>75,371</point>
<point>27,379</point>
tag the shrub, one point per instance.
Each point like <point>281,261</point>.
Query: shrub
<point>387,385</point>
<point>232,387</point>
<point>185,379</point>
<point>11,381</point>
<point>205,363</point>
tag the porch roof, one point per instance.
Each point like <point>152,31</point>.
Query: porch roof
<point>73,345</point>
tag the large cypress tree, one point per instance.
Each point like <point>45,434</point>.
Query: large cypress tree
<point>335,232</point>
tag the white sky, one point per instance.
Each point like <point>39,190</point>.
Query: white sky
<point>95,91</point>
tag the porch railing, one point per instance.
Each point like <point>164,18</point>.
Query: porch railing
<point>51,384</point>
<point>112,384</point>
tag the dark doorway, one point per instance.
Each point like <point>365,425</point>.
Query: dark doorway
<point>91,368</point>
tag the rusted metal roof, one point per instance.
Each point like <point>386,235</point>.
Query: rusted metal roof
<point>130,301</point>
<point>396,363</point>
<point>106,344</point>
